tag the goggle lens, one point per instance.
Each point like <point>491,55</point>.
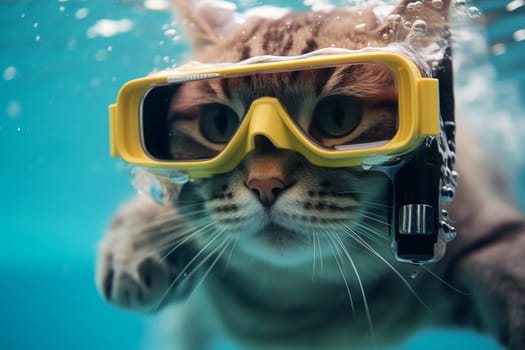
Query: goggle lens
<point>338,108</point>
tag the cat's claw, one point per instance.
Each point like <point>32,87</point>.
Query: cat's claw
<point>131,279</point>
<point>140,290</point>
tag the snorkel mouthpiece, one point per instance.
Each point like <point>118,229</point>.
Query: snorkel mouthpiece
<point>420,227</point>
<point>428,180</point>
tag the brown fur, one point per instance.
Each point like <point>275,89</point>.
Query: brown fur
<point>262,295</point>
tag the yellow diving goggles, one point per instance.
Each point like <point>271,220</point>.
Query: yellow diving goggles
<point>205,119</point>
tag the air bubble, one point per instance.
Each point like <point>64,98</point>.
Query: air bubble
<point>366,166</point>
<point>414,274</point>
<point>82,13</point>
<point>498,49</point>
<point>37,38</point>
<point>419,27</point>
<point>170,32</point>
<point>437,4</point>
<point>360,28</point>
<point>179,178</point>
<point>101,55</point>
<point>449,236</point>
<point>146,183</point>
<point>95,82</point>
<point>473,12</point>
<point>157,192</point>
<point>459,4</point>
<point>369,162</point>
<point>415,6</point>
<point>10,73</point>
<point>13,109</point>
<point>394,18</point>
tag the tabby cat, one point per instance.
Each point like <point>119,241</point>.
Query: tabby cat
<point>281,254</point>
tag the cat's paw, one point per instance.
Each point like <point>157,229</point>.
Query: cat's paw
<point>132,272</point>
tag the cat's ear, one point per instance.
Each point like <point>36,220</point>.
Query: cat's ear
<point>206,21</point>
<point>412,15</point>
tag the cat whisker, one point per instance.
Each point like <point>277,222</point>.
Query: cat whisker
<point>184,273</point>
<point>199,201</point>
<point>190,236</point>
<point>353,191</point>
<point>377,217</point>
<point>443,281</point>
<point>361,286</point>
<point>374,204</point>
<point>356,237</point>
<point>170,244</point>
<point>224,245</point>
<point>234,245</point>
<point>370,232</point>
<point>338,259</point>
<point>314,255</point>
<point>167,233</point>
<point>320,252</point>
<point>161,226</point>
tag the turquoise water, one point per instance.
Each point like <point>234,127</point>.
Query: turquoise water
<point>58,186</point>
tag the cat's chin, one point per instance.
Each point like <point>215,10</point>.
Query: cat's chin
<point>277,245</point>
<point>280,237</point>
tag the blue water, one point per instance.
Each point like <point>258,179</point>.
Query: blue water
<point>58,187</point>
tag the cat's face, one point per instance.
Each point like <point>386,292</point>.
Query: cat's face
<point>278,208</point>
<point>275,206</point>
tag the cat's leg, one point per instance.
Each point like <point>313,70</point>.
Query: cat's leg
<point>487,259</point>
<point>136,268</point>
<point>494,278</point>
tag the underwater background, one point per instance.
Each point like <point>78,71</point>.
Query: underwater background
<point>62,63</point>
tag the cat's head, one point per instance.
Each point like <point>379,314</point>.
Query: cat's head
<point>275,206</point>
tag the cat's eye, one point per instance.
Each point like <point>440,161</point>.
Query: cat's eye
<point>218,122</point>
<point>337,116</point>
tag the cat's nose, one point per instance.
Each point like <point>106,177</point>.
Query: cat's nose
<point>267,189</point>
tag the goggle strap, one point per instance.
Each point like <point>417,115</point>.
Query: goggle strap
<point>444,73</point>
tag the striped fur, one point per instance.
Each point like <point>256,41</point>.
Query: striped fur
<point>281,254</point>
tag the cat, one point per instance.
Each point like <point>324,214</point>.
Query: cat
<point>318,273</point>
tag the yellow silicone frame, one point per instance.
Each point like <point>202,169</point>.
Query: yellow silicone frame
<point>418,103</point>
